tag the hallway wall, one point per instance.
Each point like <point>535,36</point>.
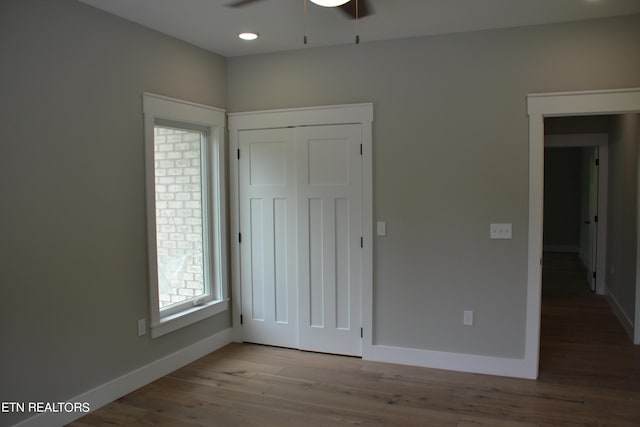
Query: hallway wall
<point>623,216</point>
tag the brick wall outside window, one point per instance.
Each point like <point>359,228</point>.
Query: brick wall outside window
<point>178,214</point>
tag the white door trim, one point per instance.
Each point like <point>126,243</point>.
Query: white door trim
<point>309,116</point>
<point>540,106</point>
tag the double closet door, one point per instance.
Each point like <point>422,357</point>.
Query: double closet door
<point>301,261</point>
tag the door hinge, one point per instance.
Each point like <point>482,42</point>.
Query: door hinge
<point>594,275</point>
<point>241,319</point>
<point>362,242</point>
<point>239,237</point>
<point>361,333</point>
<point>597,162</point>
<point>238,154</point>
<point>361,149</point>
<point>595,218</point>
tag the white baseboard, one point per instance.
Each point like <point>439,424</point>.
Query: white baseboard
<point>626,322</point>
<point>108,392</point>
<point>518,368</point>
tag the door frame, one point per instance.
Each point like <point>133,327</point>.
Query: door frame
<point>539,106</point>
<point>297,117</point>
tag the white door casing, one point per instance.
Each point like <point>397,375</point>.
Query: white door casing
<point>539,106</point>
<point>351,280</point>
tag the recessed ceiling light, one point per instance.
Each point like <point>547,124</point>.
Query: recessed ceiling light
<point>248,36</point>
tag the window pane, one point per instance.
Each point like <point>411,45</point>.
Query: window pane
<point>179,215</point>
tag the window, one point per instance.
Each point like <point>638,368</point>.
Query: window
<point>184,154</point>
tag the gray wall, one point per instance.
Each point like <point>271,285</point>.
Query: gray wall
<point>450,157</point>
<point>73,261</point>
<point>622,211</point>
<point>562,197</point>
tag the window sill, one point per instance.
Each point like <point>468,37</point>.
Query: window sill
<point>188,317</point>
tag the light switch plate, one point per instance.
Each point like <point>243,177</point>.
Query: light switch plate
<point>382,228</point>
<point>500,231</point>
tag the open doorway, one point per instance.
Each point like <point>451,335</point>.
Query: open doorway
<point>541,106</point>
<point>575,191</point>
<point>575,321</point>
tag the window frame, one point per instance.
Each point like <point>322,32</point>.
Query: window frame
<point>164,111</point>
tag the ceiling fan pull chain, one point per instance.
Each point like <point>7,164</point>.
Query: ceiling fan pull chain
<point>357,35</point>
<point>305,22</point>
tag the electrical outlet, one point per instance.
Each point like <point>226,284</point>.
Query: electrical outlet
<point>467,318</point>
<point>142,327</point>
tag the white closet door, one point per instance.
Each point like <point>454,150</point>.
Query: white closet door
<point>267,190</point>
<point>329,165</point>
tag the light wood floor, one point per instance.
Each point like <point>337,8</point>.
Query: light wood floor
<point>590,375</point>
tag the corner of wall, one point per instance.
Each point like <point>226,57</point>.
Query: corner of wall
<point>625,320</point>
<point>118,387</point>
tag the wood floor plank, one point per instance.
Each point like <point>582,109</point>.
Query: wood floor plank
<point>589,376</point>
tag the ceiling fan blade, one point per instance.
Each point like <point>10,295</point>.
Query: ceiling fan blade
<point>364,9</point>
<point>242,3</point>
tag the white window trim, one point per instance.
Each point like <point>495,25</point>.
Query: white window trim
<point>157,107</point>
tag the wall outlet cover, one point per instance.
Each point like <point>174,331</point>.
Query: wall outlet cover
<point>468,318</point>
